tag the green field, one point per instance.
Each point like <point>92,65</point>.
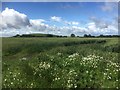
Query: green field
<point>60,62</point>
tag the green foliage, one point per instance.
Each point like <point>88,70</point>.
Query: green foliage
<point>113,48</point>
<point>60,63</point>
<point>72,35</point>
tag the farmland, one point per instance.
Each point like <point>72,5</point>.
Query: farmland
<point>60,62</point>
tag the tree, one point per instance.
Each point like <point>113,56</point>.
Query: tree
<point>89,35</point>
<point>17,35</point>
<point>72,35</point>
<point>85,35</point>
<point>101,35</point>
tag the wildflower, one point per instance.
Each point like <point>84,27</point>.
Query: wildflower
<point>57,78</point>
<point>5,80</point>
<point>75,86</point>
<point>11,83</point>
<point>17,79</point>
<point>20,80</point>
<point>39,74</point>
<point>109,77</point>
<point>117,87</point>
<point>69,81</point>
<point>18,73</point>
<point>86,71</point>
<point>107,69</point>
<point>59,54</point>
<point>23,58</point>
<point>70,85</point>
<point>31,84</point>
<point>73,55</point>
<point>44,65</point>
<point>10,72</point>
<point>14,75</point>
<point>34,73</point>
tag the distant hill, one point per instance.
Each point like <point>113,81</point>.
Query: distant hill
<point>38,35</point>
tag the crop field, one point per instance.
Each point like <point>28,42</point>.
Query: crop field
<point>60,63</point>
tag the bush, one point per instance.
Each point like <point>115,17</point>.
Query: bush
<point>72,35</point>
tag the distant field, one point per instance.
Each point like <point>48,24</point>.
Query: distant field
<point>60,62</point>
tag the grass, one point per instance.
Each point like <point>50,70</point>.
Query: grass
<point>60,63</point>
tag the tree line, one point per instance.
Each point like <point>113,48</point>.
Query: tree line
<point>89,35</point>
<point>72,35</point>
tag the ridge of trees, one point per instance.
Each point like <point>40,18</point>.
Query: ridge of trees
<point>72,35</point>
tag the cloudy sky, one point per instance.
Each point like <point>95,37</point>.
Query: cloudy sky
<point>60,18</point>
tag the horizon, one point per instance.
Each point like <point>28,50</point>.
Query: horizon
<point>88,35</point>
<point>59,18</point>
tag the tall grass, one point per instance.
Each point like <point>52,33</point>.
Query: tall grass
<point>60,63</point>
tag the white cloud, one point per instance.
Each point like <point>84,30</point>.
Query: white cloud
<point>13,19</point>
<point>99,26</point>
<point>14,22</point>
<point>59,19</point>
<point>71,22</point>
<point>62,21</point>
<point>92,27</point>
<point>109,6</point>
<point>38,23</point>
<point>99,22</point>
<point>67,30</point>
<point>56,19</point>
<point>75,23</point>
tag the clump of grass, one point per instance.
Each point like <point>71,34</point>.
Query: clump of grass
<point>113,48</point>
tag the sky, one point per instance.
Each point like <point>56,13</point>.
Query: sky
<point>60,18</point>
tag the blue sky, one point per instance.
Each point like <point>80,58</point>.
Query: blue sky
<point>84,13</point>
<point>67,10</point>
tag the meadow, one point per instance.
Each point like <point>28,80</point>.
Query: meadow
<point>60,62</point>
